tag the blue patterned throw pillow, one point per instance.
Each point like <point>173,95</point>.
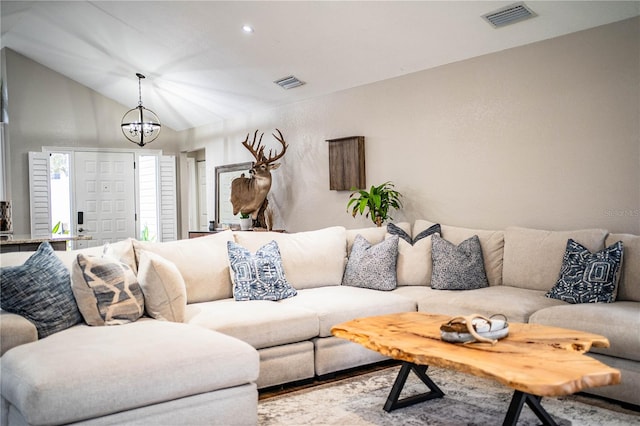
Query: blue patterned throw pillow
<point>458,267</point>
<point>587,277</point>
<point>258,276</point>
<point>372,266</point>
<point>396,230</point>
<point>40,291</point>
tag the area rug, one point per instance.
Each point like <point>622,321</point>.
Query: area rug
<point>468,400</point>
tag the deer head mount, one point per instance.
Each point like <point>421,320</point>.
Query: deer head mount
<point>249,194</point>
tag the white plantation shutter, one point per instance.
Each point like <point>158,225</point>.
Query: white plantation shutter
<point>168,199</point>
<point>39,199</point>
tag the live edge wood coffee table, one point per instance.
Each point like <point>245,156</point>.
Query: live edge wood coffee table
<point>535,360</point>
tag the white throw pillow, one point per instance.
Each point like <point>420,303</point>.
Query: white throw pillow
<point>123,251</point>
<point>165,294</point>
<point>414,258</point>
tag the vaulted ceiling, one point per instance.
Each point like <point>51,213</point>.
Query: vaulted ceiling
<point>201,67</point>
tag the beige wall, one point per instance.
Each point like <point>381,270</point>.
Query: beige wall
<point>48,109</point>
<point>545,135</point>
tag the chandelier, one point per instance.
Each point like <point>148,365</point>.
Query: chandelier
<point>140,125</point>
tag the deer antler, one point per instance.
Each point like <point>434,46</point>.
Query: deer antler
<point>257,149</point>
<point>280,139</point>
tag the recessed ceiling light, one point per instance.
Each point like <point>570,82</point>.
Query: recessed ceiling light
<point>247,28</point>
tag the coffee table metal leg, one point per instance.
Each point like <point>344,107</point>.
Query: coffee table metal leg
<point>533,401</point>
<point>393,401</point>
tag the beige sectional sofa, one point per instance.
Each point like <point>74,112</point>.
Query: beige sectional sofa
<point>227,349</point>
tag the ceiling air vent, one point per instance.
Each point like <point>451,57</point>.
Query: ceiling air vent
<point>509,15</point>
<point>289,82</point>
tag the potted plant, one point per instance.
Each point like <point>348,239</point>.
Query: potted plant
<point>246,222</point>
<point>376,202</point>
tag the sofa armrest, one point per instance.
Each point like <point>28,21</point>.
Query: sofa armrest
<point>15,330</point>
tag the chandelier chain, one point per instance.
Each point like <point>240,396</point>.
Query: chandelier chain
<point>140,125</point>
<point>140,77</point>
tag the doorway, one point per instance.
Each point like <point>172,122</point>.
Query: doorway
<point>105,197</point>
<point>197,193</point>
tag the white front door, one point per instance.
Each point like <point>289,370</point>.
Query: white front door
<point>104,197</point>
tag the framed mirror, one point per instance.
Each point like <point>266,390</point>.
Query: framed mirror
<point>224,176</point>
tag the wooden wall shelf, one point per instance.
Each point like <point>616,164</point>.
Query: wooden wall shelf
<point>346,163</point>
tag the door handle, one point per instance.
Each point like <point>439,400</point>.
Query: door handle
<point>80,229</point>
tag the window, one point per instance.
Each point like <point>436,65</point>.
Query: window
<point>148,197</point>
<point>59,166</point>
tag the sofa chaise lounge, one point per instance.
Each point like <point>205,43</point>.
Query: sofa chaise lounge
<point>206,367</point>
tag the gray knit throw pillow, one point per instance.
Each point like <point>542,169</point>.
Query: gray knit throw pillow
<point>458,267</point>
<point>40,291</point>
<point>372,266</point>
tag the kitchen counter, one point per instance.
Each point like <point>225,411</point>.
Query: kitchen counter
<point>12,243</point>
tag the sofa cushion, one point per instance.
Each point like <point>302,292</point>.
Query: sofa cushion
<point>69,257</point>
<point>532,257</point>
<point>122,250</point>
<point>372,234</point>
<point>587,277</point>
<point>629,285</point>
<point>203,263</point>
<point>619,322</point>
<point>336,304</point>
<point>40,291</point>
<point>107,291</point>
<point>414,254</point>
<point>492,243</point>
<point>457,267</point>
<point>260,323</point>
<point>115,369</point>
<point>165,294</point>
<point>310,259</point>
<point>372,265</point>
<point>517,304</point>
<point>259,275</point>
<point>15,258</point>
<point>286,363</point>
